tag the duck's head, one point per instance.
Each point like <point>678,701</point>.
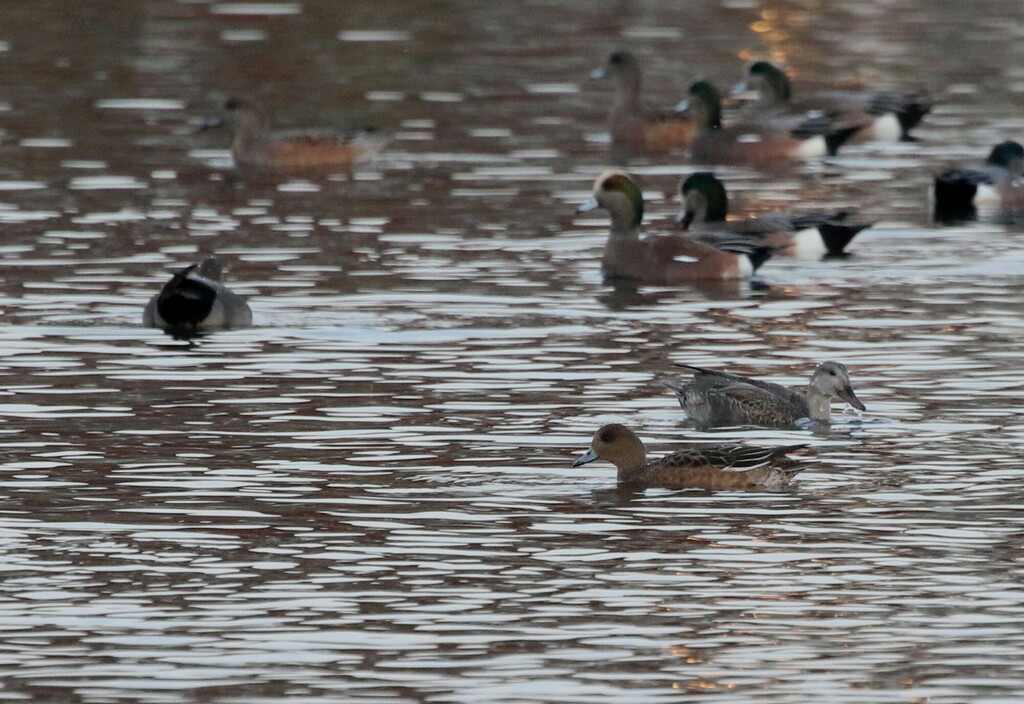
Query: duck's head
<point>617,444</point>
<point>620,64</point>
<point>240,115</point>
<point>767,80</point>
<point>1009,155</point>
<point>210,268</point>
<point>833,380</point>
<point>617,193</point>
<point>703,104</point>
<point>704,199</point>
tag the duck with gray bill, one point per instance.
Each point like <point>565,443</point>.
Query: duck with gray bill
<point>255,144</point>
<point>716,399</point>
<point>695,467</point>
<point>659,261</point>
<point>766,141</point>
<point>706,206</point>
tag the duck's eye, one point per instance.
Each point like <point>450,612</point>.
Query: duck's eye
<point>831,372</point>
<point>607,436</point>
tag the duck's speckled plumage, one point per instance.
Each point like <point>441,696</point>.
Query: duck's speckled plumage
<point>717,399</point>
<point>697,466</point>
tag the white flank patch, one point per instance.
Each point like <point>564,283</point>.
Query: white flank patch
<point>682,258</point>
<point>749,138</point>
<point>808,243</point>
<point>746,267</point>
<point>886,128</point>
<point>812,146</point>
<point>986,195</point>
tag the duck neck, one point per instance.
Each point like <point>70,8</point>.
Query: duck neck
<point>709,116</point>
<point>624,227</point>
<point>775,89</point>
<point>627,90</point>
<point>819,405</point>
<point>631,466</point>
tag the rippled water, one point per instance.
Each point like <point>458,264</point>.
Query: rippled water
<point>368,497</point>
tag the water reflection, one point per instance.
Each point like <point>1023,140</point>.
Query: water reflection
<point>367,496</point>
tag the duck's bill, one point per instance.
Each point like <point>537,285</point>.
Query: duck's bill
<point>742,91</point>
<point>588,456</point>
<point>599,73</point>
<point>851,398</point>
<point>211,123</point>
<point>591,204</point>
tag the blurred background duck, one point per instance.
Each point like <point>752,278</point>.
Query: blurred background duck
<point>768,139</point>
<point>958,192</point>
<point>886,116</point>
<point>632,125</point>
<point>255,145</point>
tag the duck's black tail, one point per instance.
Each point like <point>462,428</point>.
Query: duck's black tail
<point>838,138</point>
<point>836,235</point>
<point>954,193</point>
<point>909,109</point>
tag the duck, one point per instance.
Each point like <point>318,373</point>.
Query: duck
<point>653,260</point>
<point>255,145</point>
<point>195,300</point>
<point>696,467</point>
<point>764,142</point>
<point>631,124</point>
<point>887,116</point>
<point>716,399</point>
<point>957,192</point>
<point>706,205</point>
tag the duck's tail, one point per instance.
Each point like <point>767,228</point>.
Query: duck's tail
<point>836,235</point>
<point>779,470</point>
<point>838,138</point>
<point>954,192</point>
<point>909,109</point>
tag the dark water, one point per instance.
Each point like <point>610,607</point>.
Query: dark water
<point>367,497</point>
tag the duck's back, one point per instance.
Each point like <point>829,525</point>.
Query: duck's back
<point>716,467</point>
<point>718,398</point>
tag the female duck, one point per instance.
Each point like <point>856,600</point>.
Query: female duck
<point>653,260</point>
<point>716,399</point>
<point>195,300</point>
<point>255,145</point>
<point>697,466</point>
<point>706,205</point>
<point>633,126</point>
<point>762,142</point>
